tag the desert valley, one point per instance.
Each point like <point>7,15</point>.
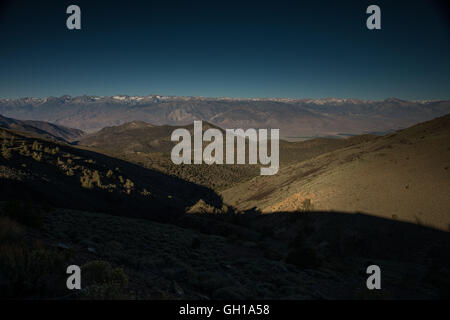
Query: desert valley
<point>89,181</point>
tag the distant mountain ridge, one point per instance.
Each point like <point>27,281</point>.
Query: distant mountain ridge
<point>136,136</point>
<point>296,118</point>
<point>41,128</point>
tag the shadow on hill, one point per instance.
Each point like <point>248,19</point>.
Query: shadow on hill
<point>413,258</point>
<point>153,194</point>
<point>334,234</point>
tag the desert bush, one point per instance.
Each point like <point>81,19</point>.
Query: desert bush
<point>37,156</point>
<point>107,291</point>
<point>102,281</point>
<point>306,205</point>
<point>129,185</point>
<point>86,181</point>
<point>96,178</point>
<point>89,179</point>
<point>109,174</point>
<point>36,146</point>
<point>24,149</point>
<point>6,152</point>
<point>31,272</point>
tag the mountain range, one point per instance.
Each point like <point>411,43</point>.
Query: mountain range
<point>296,118</point>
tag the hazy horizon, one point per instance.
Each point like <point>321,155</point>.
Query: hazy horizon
<point>220,97</point>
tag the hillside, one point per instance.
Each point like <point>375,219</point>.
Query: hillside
<point>404,176</point>
<point>57,174</point>
<point>296,118</point>
<point>138,233</point>
<point>136,137</point>
<point>150,146</point>
<point>42,129</point>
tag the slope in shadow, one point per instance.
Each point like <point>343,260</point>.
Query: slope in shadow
<point>414,259</point>
<point>63,176</point>
<point>342,234</point>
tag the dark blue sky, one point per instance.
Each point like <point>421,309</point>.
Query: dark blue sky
<point>297,49</point>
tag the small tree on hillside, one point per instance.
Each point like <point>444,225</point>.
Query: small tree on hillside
<point>129,185</point>
<point>6,153</point>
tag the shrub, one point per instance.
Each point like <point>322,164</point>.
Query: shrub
<point>6,153</point>
<point>306,205</point>
<point>36,146</point>
<point>86,181</point>
<point>31,272</point>
<point>96,178</point>
<point>129,185</point>
<point>102,281</point>
<point>24,149</point>
<point>37,156</point>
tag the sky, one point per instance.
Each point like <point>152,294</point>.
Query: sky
<point>295,49</point>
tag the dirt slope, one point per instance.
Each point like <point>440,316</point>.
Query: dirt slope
<point>402,176</point>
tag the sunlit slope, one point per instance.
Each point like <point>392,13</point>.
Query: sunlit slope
<point>403,176</point>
